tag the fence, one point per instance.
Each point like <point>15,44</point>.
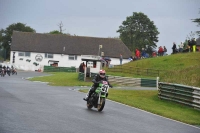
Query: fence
<point>135,71</point>
<point>187,95</point>
<point>81,76</point>
<point>59,69</point>
<point>128,81</point>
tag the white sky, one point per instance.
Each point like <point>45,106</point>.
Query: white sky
<point>102,18</point>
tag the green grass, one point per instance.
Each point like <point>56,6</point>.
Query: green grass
<point>62,79</point>
<point>178,68</point>
<point>148,100</point>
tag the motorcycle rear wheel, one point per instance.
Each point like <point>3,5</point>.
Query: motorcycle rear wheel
<point>101,105</point>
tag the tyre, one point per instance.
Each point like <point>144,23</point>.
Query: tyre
<point>101,105</point>
<point>89,106</point>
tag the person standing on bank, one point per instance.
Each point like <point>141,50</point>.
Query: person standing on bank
<point>120,59</point>
<point>174,48</point>
<point>165,50</point>
<point>81,68</point>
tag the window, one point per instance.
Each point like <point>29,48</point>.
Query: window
<point>47,55</point>
<point>27,54</point>
<point>72,57</point>
<point>21,54</point>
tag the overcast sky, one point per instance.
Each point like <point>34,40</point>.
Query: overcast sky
<point>102,18</point>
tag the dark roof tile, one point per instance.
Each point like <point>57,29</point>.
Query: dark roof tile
<point>75,45</point>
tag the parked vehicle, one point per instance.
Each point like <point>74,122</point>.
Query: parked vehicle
<point>98,98</point>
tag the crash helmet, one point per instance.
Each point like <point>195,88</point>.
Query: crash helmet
<point>102,73</point>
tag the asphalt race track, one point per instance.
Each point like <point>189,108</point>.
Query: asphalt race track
<point>34,107</point>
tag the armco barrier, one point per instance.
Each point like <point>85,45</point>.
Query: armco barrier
<point>81,76</point>
<point>59,69</point>
<point>128,81</point>
<point>183,94</point>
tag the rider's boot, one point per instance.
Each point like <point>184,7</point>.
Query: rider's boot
<point>88,96</point>
<point>106,94</point>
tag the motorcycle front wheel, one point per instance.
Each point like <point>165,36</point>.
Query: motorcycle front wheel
<point>89,106</point>
<point>102,104</point>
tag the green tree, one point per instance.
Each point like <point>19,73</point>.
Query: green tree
<point>197,20</point>
<point>138,31</point>
<point>55,32</point>
<point>6,35</point>
<point>58,32</point>
<point>1,37</point>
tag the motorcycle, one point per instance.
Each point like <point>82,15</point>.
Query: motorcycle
<point>2,72</point>
<point>8,71</point>
<point>98,98</point>
<point>13,71</point>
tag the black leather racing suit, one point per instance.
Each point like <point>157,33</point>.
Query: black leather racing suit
<point>96,80</point>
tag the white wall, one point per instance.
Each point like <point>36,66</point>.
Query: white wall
<point>63,61</point>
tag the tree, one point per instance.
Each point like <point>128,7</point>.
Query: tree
<point>1,37</point>
<point>55,32</point>
<point>5,35</point>
<point>138,31</point>
<point>197,20</point>
<point>190,36</point>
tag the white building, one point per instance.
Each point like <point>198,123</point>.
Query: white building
<point>32,51</point>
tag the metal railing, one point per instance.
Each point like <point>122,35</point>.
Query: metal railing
<point>183,94</point>
<point>59,69</point>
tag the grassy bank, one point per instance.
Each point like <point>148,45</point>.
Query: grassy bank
<point>182,68</point>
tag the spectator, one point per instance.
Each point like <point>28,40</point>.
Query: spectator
<point>84,66</point>
<point>137,53</point>
<point>193,45</point>
<point>120,59</point>
<point>189,45</point>
<point>154,54</point>
<point>81,68</point>
<point>143,54</point>
<point>160,51</point>
<point>165,50</point>
<point>130,58</point>
<point>174,48</point>
<point>181,47</point>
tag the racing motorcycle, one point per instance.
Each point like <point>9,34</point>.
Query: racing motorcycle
<point>8,71</point>
<point>98,98</point>
<point>2,72</point>
<point>14,71</point>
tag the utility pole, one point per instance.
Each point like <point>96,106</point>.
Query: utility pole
<point>60,27</point>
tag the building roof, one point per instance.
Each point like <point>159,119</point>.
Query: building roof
<point>69,45</point>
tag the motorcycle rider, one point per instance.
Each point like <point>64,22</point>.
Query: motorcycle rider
<point>4,69</point>
<point>8,70</point>
<point>1,68</point>
<point>99,77</point>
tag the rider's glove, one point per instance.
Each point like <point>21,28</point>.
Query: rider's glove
<point>110,86</point>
